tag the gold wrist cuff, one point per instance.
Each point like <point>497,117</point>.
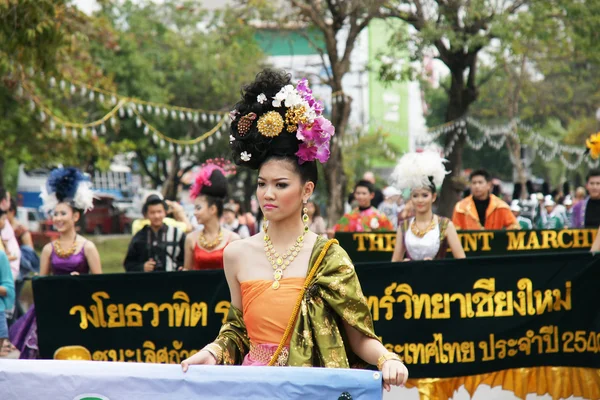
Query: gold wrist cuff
<point>385,357</point>
<point>215,350</point>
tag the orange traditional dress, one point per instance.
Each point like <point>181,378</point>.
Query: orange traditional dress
<point>301,322</point>
<point>497,216</point>
<point>266,314</point>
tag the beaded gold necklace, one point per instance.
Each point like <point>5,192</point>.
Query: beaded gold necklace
<point>281,262</point>
<point>418,233</point>
<point>210,245</point>
<point>64,253</point>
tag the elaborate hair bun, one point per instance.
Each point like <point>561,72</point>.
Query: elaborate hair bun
<point>211,180</point>
<point>274,118</point>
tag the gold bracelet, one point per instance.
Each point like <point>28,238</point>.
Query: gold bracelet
<point>215,350</point>
<point>385,357</point>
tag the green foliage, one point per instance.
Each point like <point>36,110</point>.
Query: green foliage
<point>179,54</point>
<point>359,157</point>
<point>38,39</point>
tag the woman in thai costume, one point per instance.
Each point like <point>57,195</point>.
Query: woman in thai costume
<point>425,236</point>
<point>316,223</point>
<point>204,248</point>
<point>295,296</point>
<point>67,195</point>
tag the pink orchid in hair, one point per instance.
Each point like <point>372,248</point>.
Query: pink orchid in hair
<point>203,177</point>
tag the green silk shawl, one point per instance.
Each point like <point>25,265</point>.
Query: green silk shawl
<point>319,339</point>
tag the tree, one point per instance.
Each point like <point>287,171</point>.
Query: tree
<point>340,22</point>
<point>164,56</point>
<point>457,31</point>
<point>38,39</point>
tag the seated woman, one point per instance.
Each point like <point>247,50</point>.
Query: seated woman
<point>67,195</point>
<point>295,296</point>
<point>425,236</point>
<point>204,248</point>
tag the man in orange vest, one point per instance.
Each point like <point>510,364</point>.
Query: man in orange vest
<point>482,210</point>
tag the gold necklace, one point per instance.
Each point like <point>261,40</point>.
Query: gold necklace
<point>64,253</point>
<point>415,229</point>
<point>281,262</point>
<point>210,245</point>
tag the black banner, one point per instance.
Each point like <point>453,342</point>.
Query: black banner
<point>445,318</point>
<point>379,246</point>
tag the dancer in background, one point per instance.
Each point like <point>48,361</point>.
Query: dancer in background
<point>204,249</point>
<point>425,236</point>
<point>279,130</point>
<point>67,195</point>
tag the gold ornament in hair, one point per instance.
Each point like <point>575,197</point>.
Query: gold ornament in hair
<point>294,116</point>
<point>245,123</point>
<point>270,124</point>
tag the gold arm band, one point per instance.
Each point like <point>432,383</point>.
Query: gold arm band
<point>215,350</point>
<point>385,357</point>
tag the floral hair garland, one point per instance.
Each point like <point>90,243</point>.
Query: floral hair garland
<point>203,177</point>
<point>303,117</point>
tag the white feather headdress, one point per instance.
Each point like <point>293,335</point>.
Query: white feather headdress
<point>418,170</point>
<point>67,184</point>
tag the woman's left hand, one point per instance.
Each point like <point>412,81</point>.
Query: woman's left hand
<point>394,373</point>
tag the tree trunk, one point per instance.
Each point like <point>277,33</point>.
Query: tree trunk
<point>334,169</point>
<point>460,98</point>
<point>170,185</point>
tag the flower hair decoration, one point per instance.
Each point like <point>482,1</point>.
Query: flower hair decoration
<point>419,169</point>
<point>202,179</point>
<point>304,117</point>
<point>67,185</point>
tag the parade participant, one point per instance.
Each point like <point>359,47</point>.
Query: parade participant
<point>425,236</point>
<point>315,221</point>
<point>551,218</point>
<point>586,213</point>
<point>204,249</point>
<point>179,220</point>
<point>8,237</point>
<point>389,206</point>
<point>295,297</point>
<point>7,299</point>
<point>524,222</point>
<point>365,217</point>
<point>157,246</point>
<point>231,221</point>
<point>568,203</point>
<point>483,210</point>
<point>67,195</point>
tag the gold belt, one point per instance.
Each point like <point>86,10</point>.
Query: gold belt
<point>263,355</point>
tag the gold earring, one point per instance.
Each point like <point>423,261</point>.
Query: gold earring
<point>305,218</point>
<point>265,224</point>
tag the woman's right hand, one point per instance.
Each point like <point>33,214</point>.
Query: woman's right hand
<point>202,357</point>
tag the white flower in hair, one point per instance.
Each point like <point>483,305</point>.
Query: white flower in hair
<point>261,98</point>
<point>289,96</point>
<point>419,170</point>
<point>231,138</point>
<point>245,156</point>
